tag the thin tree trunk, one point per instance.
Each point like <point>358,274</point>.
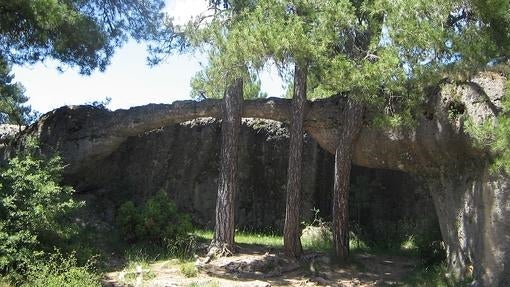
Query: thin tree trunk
<point>352,121</point>
<point>223,241</point>
<point>291,231</point>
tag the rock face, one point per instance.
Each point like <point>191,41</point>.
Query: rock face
<point>183,159</point>
<point>471,203</point>
<point>473,210</point>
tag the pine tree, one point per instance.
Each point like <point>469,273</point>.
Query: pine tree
<point>379,55</point>
<point>13,107</point>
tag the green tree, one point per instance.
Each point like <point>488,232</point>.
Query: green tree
<point>82,33</point>
<point>225,75</point>
<point>13,108</point>
<point>35,208</point>
<point>289,34</point>
<point>77,33</point>
<point>223,240</point>
<point>380,55</point>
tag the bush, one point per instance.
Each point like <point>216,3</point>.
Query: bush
<point>60,271</point>
<point>157,221</point>
<point>317,235</point>
<point>434,276</point>
<point>35,209</point>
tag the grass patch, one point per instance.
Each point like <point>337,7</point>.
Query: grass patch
<point>188,269</point>
<point>137,268</point>
<point>358,245</point>
<point>244,237</point>
<point>320,238</point>
<point>315,240</point>
<point>4,283</point>
<point>205,235</point>
<point>212,283</point>
<point>182,249</point>
<point>271,240</point>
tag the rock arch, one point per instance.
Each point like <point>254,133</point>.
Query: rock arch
<point>471,203</point>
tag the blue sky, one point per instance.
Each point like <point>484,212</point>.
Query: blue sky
<point>128,81</point>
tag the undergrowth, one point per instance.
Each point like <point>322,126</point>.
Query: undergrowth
<point>433,276</point>
<point>59,270</point>
<point>36,218</point>
<point>188,269</point>
<point>212,283</point>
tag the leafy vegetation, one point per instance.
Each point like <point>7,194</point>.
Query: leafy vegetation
<point>77,33</point>
<point>35,209</point>
<point>188,269</point>
<point>317,235</point>
<point>137,269</point>
<point>13,107</point>
<point>433,276</point>
<point>157,221</point>
<point>58,271</point>
<point>383,53</point>
<point>493,134</point>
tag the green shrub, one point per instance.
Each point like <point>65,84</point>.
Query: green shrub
<point>35,208</point>
<point>60,271</point>
<point>157,221</point>
<point>430,249</point>
<point>182,246</point>
<point>317,235</point>
<point>434,276</point>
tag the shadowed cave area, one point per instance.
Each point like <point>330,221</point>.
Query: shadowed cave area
<point>183,161</point>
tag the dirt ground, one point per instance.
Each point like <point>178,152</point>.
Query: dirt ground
<point>256,267</point>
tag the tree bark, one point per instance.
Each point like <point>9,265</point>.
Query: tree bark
<point>352,120</point>
<point>223,241</point>
<point>291,231</point>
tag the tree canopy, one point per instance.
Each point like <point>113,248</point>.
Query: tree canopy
<point>13,108</point>
<point>384,53</point>
<point>77,33</point>
<point>380,54</point>
<point>82,33</point>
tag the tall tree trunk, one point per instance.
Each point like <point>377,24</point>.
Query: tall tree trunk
<point>291,231</point>
<point>223,241</point>
<point>351,121</point>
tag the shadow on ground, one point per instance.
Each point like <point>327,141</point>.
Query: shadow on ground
<point>260,266</point>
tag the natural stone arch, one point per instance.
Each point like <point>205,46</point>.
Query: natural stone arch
<point>471,203</point>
